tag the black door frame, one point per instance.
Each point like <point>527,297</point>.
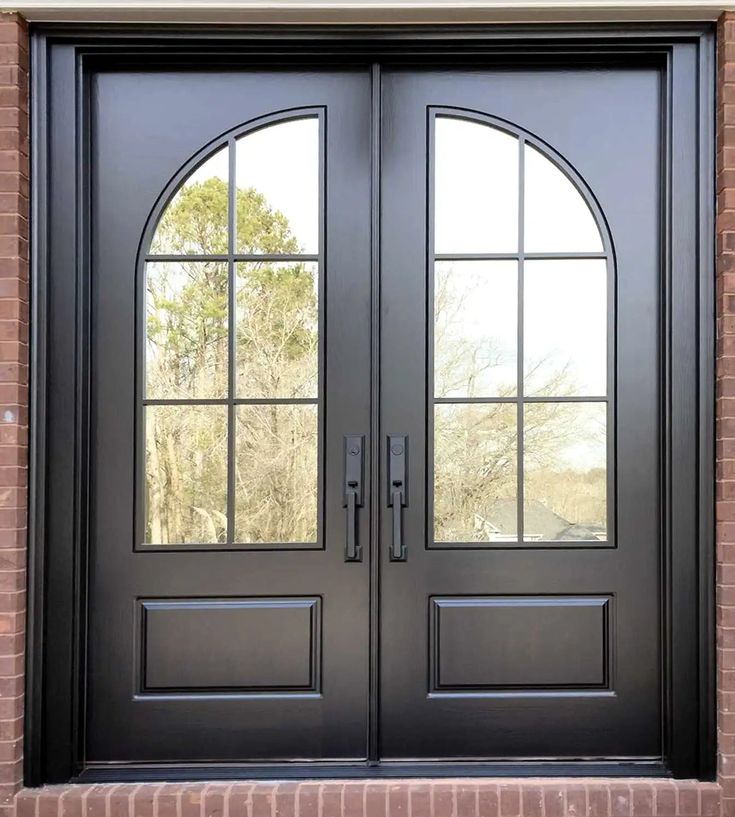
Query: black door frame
<point>63,57</point>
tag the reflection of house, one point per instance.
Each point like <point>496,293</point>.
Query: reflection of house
<point>499,524</point>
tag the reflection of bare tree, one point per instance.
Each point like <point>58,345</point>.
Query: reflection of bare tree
<point>186,473</point>
<point>276,473</point>
<point>462,365</point>
<point>277,330</point>
<point>475,444</point>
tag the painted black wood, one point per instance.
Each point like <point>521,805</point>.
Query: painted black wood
<point>617,714</point>
<point>312,701</point>
<point>71,64</point>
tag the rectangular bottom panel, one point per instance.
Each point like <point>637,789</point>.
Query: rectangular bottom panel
<point>266,646</point>
<point>496,644</point>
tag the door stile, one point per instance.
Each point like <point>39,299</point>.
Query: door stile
<point>375,425</point>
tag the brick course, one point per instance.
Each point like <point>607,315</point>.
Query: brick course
<point>410,798</point>
<point>400,798</point>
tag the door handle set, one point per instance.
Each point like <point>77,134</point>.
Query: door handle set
<point>353,496</point>
<point>353,493</point>
<point>397,493</point>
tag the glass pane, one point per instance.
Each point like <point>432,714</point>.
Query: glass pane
<point>565,328</point>
<point>475,328</point>
<point>277,330</point>
<point>186,330</point>
<point>557,218</point>
<point>276,473</point>
<point>565,474</point>
<point>186,474</point>
<point>195,221</point>
<point>476,188</point>
<point>278,188</point>
<point>475,472</point>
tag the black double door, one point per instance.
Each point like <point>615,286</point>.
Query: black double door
<point>374,463</point>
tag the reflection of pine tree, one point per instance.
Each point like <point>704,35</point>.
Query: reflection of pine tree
<point>276,335</point>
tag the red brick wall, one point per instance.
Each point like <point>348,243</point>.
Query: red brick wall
<point>460,798</point>
<point>13,393</point>
<point>725,486</point>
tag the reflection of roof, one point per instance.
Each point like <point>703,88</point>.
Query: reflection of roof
<point>540,522</point>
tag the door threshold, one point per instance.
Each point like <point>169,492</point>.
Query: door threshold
<point>121,773</point>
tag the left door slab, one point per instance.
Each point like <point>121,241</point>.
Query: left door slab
<point>230,358</point>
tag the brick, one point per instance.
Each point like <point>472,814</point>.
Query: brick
<point>26,805</point>
<point>120,803</point>
<point>397,801</point>
<point>263,801</point>
<point>443,801</point>
<point>598,801</point>
<point>419,801</point>
<point>240,803</point>
<point>621,800</point>
<point>553,799</point>
<point>688,801</point>
<point>190,800</point>
<point>308,801</point>
<point>576,797</point>
<point>353,798</point>
<point>532,801</point>
<point>466,795</point>
<point>710,801</point>
<point>643,799</point>
<point>510,800</point>
<point>70,804</point>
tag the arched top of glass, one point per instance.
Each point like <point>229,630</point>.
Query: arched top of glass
<point>499,191</point>
<point>268,175</point>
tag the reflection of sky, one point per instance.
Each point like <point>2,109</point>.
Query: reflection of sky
<point>476,196</point>
<point>557,218</point>
<point>565,324</point>
<point>476,188</point>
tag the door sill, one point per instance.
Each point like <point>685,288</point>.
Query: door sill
<point>121,773</point>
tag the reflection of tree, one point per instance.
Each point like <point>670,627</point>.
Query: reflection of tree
<point>277,330</point>
<point>276,338</point>
<point>276,473</point>
<point>462,365</point>
<point>186,474</point>
<point>475,445</point>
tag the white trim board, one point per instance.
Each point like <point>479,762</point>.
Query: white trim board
<point>366,11</point>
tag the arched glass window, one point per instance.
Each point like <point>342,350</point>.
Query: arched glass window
<point>230,401</point>
<point>521,285</point>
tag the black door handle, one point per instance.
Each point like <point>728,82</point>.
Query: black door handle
<point>354,446</point>
<point>397,493</point>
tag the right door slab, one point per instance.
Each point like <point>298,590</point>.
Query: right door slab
<point>520,326</point>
